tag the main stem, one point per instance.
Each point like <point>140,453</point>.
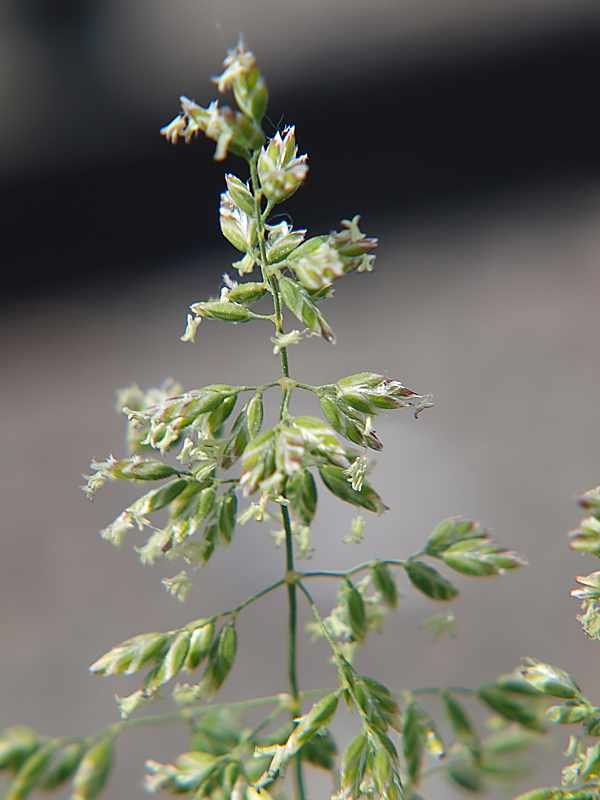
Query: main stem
<point>271,280</point>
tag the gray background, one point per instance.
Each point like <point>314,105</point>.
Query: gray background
<point>494,312</point>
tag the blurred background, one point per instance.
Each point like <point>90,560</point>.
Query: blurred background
<point>464,133</point>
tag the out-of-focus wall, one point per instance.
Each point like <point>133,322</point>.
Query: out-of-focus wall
<point>487,298</point>
<point>494,314</point>
<point>65,64</point>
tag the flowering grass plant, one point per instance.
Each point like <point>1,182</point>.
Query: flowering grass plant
<point>207,461</point>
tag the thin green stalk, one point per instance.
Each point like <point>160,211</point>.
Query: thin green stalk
<point>317,614</point>
<point>338,656</point>
<point>437,691</point>
<point>292,637</point>
<point>252,599</point>
<point>231,612</point>
<point>259,388</point>
<point>392,562</point>
<point>199,711</point>
<point>307,387</point>
<point>265,722</point>
<point>271,280</point>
